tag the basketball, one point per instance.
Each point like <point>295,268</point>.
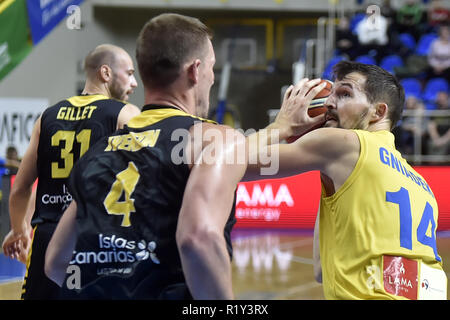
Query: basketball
<point>317,105</point>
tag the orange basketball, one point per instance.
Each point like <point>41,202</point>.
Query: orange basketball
<point>317,105</point>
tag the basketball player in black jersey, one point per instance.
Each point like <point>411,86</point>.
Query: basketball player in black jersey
<point>147,223</point>
<point>63,133</point>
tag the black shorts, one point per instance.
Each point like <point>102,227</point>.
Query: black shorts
<point>36,285</point>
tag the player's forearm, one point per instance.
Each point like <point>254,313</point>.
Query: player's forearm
<point>206,265</point>
<point>18,204</point>
<point>272,134</point>
<point>257,144</point>
<point>61,246</point>
<point>30,207</point>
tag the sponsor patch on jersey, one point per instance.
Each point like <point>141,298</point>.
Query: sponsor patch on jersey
<point>400,276</point>
<point>433,283</point>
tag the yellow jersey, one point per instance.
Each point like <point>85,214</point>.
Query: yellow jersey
<point>378,231</point>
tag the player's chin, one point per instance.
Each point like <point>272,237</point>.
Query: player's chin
<point>126,95</point>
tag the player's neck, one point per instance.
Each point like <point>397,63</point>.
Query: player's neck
<point>384,124</point>
<point>167,99</point>
<point>92,88</point>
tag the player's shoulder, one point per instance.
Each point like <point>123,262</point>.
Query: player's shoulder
<point>212,128</point>
<point>131,108</point>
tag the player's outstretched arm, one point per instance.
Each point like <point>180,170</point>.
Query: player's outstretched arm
<point>207,204</point>
<point>17,242</point>
<point>61,246</point>
<point>291,120</point>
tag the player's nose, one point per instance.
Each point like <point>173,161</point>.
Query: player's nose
<point>330,103</point>
<point>134,82</point>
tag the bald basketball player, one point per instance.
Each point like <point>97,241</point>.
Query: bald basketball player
<point>62,134</point>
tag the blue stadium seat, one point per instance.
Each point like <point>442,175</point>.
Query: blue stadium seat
<point>389,62</point>
<point>366,59</point>
<point>432,87</point>
<point>408,41</point>
<point>430,106</point>
<point>412,87</point>
<point>328,72</point>
<point>424,43</point>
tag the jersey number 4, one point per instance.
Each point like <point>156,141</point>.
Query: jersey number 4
<point>401,198</point>
<point>125,184</point>
<point>83,138</point>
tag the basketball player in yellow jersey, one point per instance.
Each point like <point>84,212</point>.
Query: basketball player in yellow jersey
<point>61,135</point>
<point>378,217</point>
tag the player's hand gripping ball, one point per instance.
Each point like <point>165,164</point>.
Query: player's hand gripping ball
<point>317,105</point>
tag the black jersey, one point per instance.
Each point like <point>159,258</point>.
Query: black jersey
<point>68,129</point>
<point>129,190</point>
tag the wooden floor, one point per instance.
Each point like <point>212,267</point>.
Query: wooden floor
<point>269,265</point>
<point>278,265</point>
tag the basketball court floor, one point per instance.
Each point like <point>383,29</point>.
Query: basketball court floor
<point>267,265</point>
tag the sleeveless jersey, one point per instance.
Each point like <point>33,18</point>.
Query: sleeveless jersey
<point>129,190</point>
<point>378,231</point>
<point>68,129</point>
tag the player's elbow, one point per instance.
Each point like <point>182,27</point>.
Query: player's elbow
<point>197,241</point>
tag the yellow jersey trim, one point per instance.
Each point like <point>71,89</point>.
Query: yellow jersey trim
<point>81,101</point>
<point>150,117</point>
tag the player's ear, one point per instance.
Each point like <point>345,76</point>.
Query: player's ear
<point>381,111</point>
<point>105,73</point>
<point>193,71</point>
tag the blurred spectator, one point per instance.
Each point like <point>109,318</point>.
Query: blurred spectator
<point>346,40</point>
<point>415,65</point>
<point>439,128</point>
<point>439,55</point>
<point>395,44</point>
<point>437,14</point>
<point>12,159</point>
<point>410,19</point>
<point>412,127</point>
<point>373,36</point>
<point>388,12</point>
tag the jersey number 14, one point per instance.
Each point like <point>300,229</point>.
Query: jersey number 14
<point>401,198</point>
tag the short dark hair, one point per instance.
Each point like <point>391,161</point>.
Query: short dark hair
<point>380,86</point>
<point>165,43</point>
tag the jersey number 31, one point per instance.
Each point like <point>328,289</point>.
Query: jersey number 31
<point>83,138</point>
